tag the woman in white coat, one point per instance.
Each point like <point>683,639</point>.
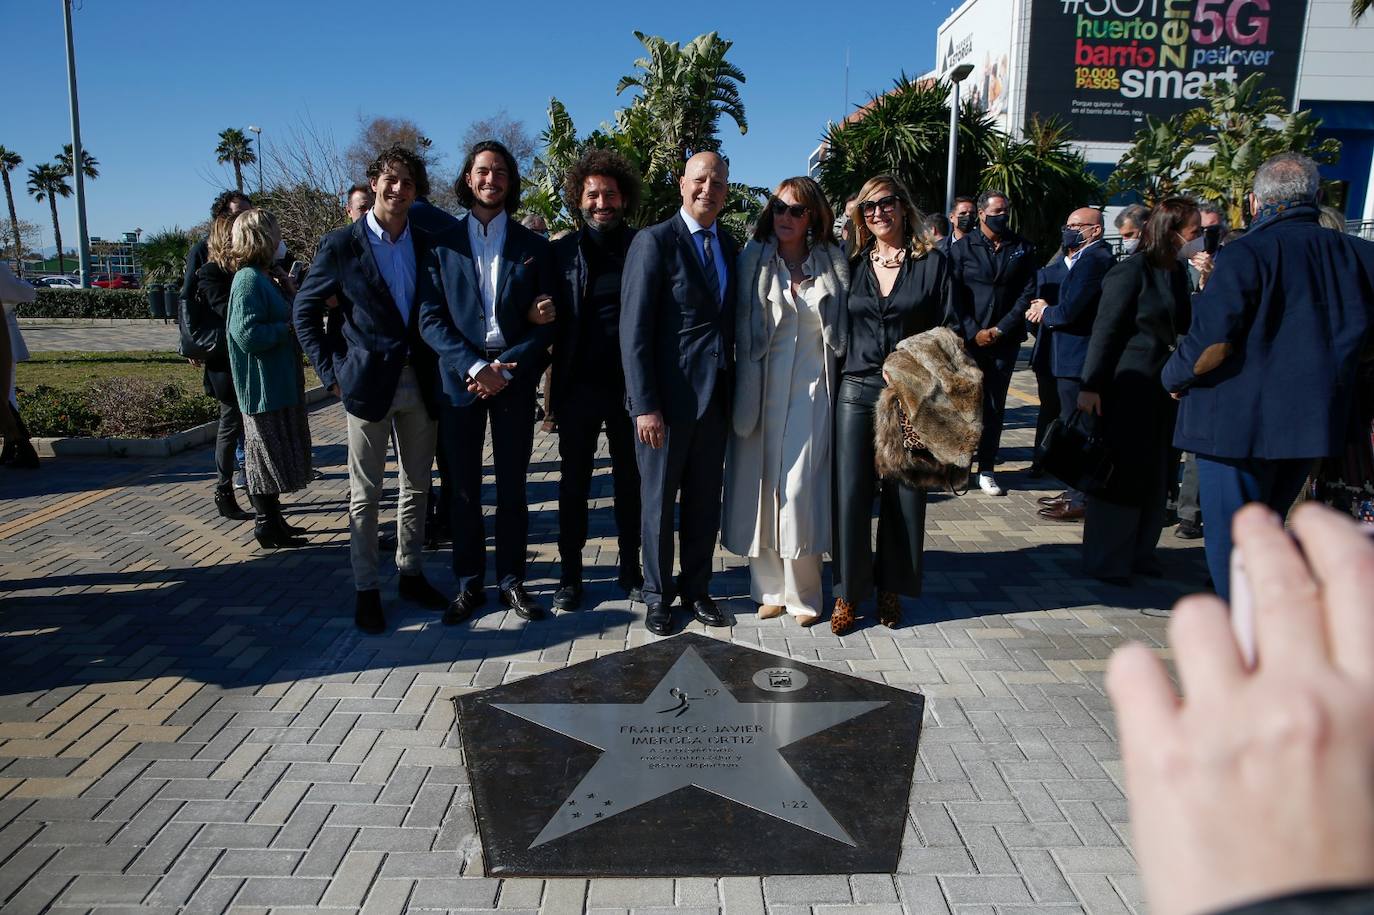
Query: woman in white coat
<point>793,279</point>
<point>18,450</point>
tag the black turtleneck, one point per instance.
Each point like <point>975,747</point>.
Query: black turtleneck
<point>598,351</point>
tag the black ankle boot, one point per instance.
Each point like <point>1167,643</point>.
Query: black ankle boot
<point>268,527</point>
<point>228,506</point>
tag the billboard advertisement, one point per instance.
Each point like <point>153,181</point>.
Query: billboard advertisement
<point>980,34</point>
<point>1103,65</point>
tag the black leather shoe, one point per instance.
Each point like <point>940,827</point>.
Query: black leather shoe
<point>1188,530</point>
<point>523,605</point>
<point>705,610</point>
<point>417,589</point>
<point>461,607</point>
<point>568,598</point>
<point>660,619</point>
<point>1035,471</point>
<point>367,612</point>
<point>270,536</point>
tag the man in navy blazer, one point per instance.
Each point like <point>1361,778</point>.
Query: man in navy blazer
<point>1047,280</point>
<point>1266,372</point>
<point>1070,323</point>
<point>677,346</point>
<point>374,360</point>
<point>482,282</point>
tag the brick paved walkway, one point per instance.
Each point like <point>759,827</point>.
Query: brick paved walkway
<point>189,723</point>
<point>98,336</point>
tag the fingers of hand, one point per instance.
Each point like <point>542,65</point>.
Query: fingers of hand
<point>1142,696</point>
<point>1290,630</point>
<point>1342,559</point>
<point>1205,650</point>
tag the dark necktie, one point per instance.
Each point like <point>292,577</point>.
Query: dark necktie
<point>708,263</point>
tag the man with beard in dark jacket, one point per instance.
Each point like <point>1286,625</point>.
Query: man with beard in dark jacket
<point>588,387</point>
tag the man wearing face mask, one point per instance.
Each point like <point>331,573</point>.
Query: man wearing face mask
<point>963,219</point>
<point>1129,223</point>
<point>1266,371</point>
<point>588,378</point>
<point>1071,322</point>
<point>993,271</point>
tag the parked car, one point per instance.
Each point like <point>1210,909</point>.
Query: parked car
<point>111,281</point>
<point>56,282</point>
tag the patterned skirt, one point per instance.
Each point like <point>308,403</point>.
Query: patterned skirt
<point>276,450</point>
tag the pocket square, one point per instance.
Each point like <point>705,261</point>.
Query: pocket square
<point>527,261</point>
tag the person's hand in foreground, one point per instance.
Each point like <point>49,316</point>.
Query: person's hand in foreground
<point>1259,782</point>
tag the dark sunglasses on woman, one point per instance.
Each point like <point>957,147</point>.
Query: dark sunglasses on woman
<point>887,204</point>
<point>796,210</point>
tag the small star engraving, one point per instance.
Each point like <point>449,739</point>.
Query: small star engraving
<point>577,816</point>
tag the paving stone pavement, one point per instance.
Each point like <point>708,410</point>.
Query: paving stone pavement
<point>98,336</point>
<point>191,724</point>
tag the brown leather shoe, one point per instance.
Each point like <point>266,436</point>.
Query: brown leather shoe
<point>889,609</point>
<point>1051,501</point>
<point>1065,512</point>
<point>770,611</point>
<point>807,620</point>
<point>842,617</point>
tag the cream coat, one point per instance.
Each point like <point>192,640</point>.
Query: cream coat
<point>804,528</point>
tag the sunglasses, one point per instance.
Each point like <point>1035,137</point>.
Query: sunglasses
<point>795,210</point>
<point>886,204</point>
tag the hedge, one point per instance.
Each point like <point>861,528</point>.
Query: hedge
<point>87,303</point>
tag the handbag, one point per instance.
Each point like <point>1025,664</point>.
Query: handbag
<point>202,331</point>
<point>1074,453</point>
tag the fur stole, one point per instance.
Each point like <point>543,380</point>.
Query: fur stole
<point>938,389</point>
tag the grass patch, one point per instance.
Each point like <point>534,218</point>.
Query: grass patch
<point>73,371</point>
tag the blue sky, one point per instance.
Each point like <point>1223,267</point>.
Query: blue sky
<point>159,79</point>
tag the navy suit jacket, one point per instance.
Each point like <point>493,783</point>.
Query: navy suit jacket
<point>369,343</point>
<point>992,288</point>
<point>1269,361</point>
<point>453,319</point>
<point>1071,320</point>
<point>675,337</point>
<point>1047,280</point>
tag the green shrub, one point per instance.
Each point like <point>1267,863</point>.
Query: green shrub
<point>87,303</point>
<point>48,411</point>
<point>117,408</point>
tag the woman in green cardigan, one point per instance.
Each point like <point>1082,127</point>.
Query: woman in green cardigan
<point>268,379</point>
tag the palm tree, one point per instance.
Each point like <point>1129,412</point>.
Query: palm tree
<point>48,182</point>
<point>905,132</point>
<point>1358,8</point>
<point>90,168</point>
<point>163,255</point>
<point>9,161</point>
<point>685,90</point>
<point>236,149</point>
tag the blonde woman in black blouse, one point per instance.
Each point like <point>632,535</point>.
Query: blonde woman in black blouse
<point>899,286</point>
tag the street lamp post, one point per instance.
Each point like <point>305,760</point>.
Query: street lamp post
<point>956,76</point>
<point>258,130</point>
<point>84,249</point>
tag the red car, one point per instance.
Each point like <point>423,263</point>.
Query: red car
<point>112,281</point>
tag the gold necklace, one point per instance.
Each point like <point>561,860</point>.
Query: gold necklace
<point>894,261</point>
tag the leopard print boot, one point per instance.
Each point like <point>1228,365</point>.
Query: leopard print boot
<point>842,617</point>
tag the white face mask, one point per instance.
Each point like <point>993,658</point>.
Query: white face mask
<point>281,251</point>
<point>1130,244</point>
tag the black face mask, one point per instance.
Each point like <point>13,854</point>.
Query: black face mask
<point>998,224</point>
<point>966,222</point>
<point>1071,238</point>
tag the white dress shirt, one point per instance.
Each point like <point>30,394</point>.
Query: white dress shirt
<point>487,243</point>
<point>396,261</point>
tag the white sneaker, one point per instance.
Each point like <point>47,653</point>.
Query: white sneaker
<point>988,484</point>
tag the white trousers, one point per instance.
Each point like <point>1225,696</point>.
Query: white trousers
<point>791,583</point>
<point>416,435</point>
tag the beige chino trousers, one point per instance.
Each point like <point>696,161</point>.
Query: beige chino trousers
<point>416,435</point>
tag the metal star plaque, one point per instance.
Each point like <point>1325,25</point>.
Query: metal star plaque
<point>690,756</point>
